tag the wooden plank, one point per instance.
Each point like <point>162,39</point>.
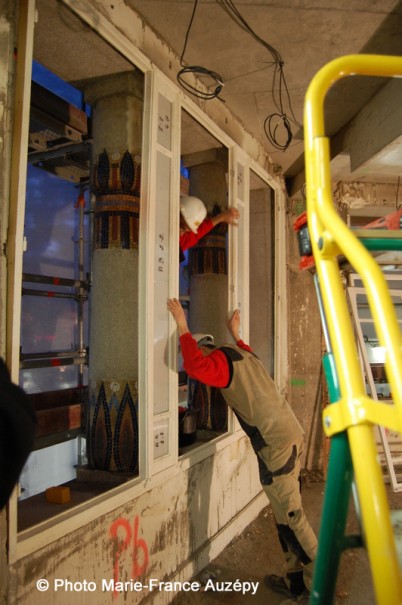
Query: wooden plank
<point>54,399</point>
<point>60,419</point>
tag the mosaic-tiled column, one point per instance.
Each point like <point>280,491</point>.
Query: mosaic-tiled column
<point>112,422</point>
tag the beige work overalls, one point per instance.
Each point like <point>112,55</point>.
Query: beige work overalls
<point>277,439</point>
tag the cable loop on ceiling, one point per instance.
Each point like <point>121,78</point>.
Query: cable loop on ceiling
<point>203,71</point>
<point>275,122</point>
<point>272,124</point>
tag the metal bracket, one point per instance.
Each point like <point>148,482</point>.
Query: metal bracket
<point>345,413</point>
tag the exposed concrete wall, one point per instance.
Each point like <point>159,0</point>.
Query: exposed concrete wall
<point>358,194</point>
<point>166,534</point>
<point>372,138</point>
<point>304,332</point>
<point>307,391</point>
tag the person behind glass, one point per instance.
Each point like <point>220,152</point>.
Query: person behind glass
<point>275,434</point>
<point>17,433</point>
<point>194,223</point>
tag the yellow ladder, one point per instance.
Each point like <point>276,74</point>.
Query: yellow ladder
<point>353,414</point>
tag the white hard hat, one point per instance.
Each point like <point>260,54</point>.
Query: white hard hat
<point>203,339</point>
<point>193,211</point>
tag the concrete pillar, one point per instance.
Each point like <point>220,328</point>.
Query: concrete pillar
<point>112,427</point>
<point>209,282</point>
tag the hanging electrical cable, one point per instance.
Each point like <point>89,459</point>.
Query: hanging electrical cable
<point>277,125</point>
<point>197,70</point>
<point>272,125</point>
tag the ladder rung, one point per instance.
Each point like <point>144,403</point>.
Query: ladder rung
<point>380,239</point>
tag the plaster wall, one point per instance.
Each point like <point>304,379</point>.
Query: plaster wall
<point>168,533</point>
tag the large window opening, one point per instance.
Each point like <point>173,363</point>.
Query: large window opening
<point>262,270</point>
<point>80,334</point>
<point>81,216</point>
<point>203,279</point>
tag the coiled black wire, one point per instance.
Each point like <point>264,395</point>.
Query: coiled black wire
<point>277,125</point>
<point>273,124</point>
<point>197,70</point>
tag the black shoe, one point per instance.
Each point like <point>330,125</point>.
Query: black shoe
<point>278,584</point>
<point>296,582</point>
<point>302,599</point>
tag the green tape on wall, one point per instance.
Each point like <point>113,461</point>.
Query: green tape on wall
<point>297,382</point>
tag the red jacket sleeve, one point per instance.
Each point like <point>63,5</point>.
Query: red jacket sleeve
<point>212,369</point>
<point>240,343</point>
<point>189,239</point>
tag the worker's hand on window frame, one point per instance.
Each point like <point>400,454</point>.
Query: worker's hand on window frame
<point>228,216</point>
<point>233,324</point>
<point>174,306</point>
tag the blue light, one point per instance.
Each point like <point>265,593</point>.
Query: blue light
<point>184,171</point>
<point>59,87</point>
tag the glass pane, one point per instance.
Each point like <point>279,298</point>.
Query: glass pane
<point>65,149</point>
<point>202,415</point>
<point>51,225</point>
<point>38,380</point>
<point>262,263</point>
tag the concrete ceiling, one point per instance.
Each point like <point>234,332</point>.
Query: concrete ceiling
<point>363,115</point>
<point>307,34</point>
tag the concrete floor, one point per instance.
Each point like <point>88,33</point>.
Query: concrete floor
<point>256,552</point>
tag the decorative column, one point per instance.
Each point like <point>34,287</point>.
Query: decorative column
<point>112,423</point>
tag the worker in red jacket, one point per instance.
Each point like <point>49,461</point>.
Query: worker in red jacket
<point>275,434</point>
<point>194,223</point>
